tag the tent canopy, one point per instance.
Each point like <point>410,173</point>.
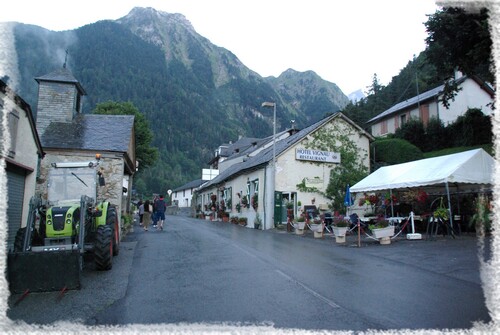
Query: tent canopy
<point>469,167</point>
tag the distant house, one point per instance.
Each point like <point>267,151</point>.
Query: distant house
<point>474,93</point>
<point>68,135</point>
<point>182,196</point>
<point>20,153</point>
<point>246,186</point>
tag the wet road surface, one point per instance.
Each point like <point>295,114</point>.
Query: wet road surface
<point>197,271</point>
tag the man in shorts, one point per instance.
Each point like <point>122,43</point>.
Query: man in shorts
<point>160,207</point>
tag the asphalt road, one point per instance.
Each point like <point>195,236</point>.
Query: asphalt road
<point>202,272</point>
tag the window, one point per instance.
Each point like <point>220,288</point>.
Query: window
<point>227,196</point>
<point>424,114</point>
<point>13,120</point>
<point>402,119</point>
<point>383,127</point>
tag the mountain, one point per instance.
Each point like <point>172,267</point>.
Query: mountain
<point>356,96</point>
<point>194,94</point>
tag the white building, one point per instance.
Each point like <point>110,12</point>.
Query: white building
<point>20,155</point>
<point>474,93</point>
<point>248,183</point>
<point>181,196</point>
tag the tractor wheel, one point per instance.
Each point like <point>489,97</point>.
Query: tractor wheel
<point>103,250</point>
<point>112,221</point>
<point>19,241</point>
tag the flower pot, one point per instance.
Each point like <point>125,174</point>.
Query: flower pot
<point>339,233</point>
<point>299,227</point>
<point>317,228</point>
<point>384,234</point>
<point>340,239</point>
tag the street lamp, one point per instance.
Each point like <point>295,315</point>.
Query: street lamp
<point>273,166</point>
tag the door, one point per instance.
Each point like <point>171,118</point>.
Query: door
<point>278,198</point>
<point>15,198</point>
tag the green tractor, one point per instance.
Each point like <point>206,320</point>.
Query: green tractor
<point>48,253</point>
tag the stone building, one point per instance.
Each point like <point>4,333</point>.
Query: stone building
<point>68,135</point>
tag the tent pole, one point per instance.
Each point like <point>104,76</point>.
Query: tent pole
<point>449,204</point>
<point>392,205</point>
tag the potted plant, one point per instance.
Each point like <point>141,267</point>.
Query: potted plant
<point>244,202</point>
<point>482,216</point>
<point>224,216</point>
<point>299,225</point>
<point>234,219</point>
<point>243,221</point>
<point>382,230</point>
<point>257,222</point>
<point>238,207</point>
<point>317,227</point>
<point>441,212</point>
<point>340,226</point>
<point>255,201</point>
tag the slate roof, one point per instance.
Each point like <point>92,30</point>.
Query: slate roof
<point>192,184</point>
<point>431,94</point>
<point>62,75</point>
<point>408,103</point>
<point>266,155</point>
<point>91,132</point>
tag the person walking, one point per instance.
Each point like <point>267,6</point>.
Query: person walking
<point>148,209</point>
<point>141,212</point>
<point>154,215</point>
<point>160,208</point>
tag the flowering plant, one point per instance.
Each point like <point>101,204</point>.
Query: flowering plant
<point>341,222</point>
<point>255,201</point>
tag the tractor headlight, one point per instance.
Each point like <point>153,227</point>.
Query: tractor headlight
<point>68,221</point>
<point>49,222</point>
<point>68,215</point>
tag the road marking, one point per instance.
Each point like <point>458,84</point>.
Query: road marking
<point>314,293</point>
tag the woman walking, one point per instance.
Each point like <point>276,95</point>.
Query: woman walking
<point>147,215</point>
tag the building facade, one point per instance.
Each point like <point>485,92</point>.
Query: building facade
<point>474,93</point>
<point>20,153</point>
<point>255,187</point>
<point>68,135</point>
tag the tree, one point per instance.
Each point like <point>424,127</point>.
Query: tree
<point>459,40</point>
<point>413,131</point>
<point>472,128</point>
<point>145,154</point>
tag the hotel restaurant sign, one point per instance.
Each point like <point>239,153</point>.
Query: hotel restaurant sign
<point>317,156</point>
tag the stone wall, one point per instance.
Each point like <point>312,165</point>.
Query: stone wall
<point>56,103</point>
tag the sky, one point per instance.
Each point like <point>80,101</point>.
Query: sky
<point>344,42</point>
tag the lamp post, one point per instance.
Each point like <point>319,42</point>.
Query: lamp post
<point>273,165</point>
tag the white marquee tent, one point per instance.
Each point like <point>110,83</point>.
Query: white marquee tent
<point>473,167</point>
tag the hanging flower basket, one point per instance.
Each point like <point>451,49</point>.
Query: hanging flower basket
<point>255,201</point>
<point>244,202</point>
